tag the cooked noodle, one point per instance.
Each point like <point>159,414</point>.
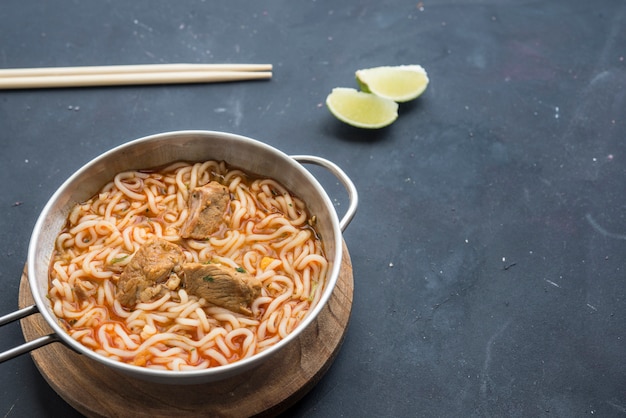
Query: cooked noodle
<point>266,232</point>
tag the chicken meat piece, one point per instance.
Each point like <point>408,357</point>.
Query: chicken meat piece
<point>222,285</point>
<point>151,272</point>
<point>207,206</point>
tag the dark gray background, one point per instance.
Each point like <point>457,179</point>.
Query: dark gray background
<point>489,246</point>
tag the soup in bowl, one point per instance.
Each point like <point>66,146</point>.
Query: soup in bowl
<point>187,257</point>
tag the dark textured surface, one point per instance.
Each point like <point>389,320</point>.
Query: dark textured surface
<point>489,246</point>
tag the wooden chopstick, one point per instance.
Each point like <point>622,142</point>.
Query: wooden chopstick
<point>139,68</point>
<point>50,77</point>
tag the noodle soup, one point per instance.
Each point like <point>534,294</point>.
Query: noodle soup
<point>258,269</point>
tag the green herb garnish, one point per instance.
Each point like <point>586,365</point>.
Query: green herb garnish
<point>208,279</point>
<point>313,289</point>
<point>240,270</point>
<point>119,259</point>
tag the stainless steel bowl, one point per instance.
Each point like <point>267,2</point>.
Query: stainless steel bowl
<point>158,150</point>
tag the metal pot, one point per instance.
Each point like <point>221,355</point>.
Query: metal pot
<point>158,150</point>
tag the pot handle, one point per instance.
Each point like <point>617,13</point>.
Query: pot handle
<point>29,346</point>
<point>353,195</point>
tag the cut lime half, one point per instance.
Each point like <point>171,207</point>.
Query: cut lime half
<point>400,83</point>
<point>363,110</point>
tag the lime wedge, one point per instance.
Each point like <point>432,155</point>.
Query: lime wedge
<point>400,83</point>
<point>363,110</point>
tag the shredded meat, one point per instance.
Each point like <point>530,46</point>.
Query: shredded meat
<point>151,272</point>
<point>222,286</point>
<point>207,205</point>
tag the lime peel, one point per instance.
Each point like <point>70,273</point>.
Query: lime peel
<point>361,109</point>
<point>400,83</point>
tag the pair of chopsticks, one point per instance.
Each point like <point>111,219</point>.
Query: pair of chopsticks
<point>119,75</point>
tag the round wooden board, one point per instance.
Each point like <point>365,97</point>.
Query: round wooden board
<point>98,391</point>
